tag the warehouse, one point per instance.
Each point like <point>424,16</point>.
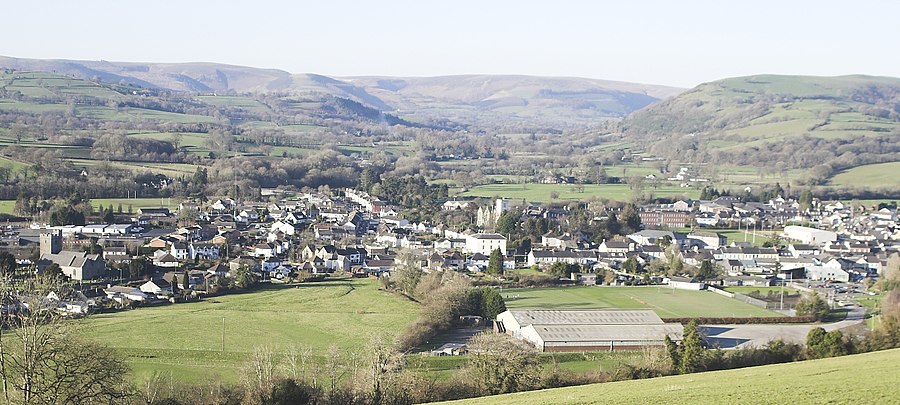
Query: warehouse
<point>809,236</point>
<point>588,330</point>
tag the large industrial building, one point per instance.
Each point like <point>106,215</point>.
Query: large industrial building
<point>810,236</point>
<point>588,330</point>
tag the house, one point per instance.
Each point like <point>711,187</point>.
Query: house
<point>379,266</point>
<point>219,270</point>
<point>120,294</point>
<point>829,271</point>
<point>264,250</point>
<point>616,246</point>
<point>450,349</point>
<point>652,237</point>
<point>485,243</point>
<point>799,249</point>
<point>166,261</point>
<point>708,240</point>
<point>157,286</point>
<point>180,251</point>
<point>280,272</point>
<point>203,251</point>
<point>154,212</point>
<point>684,283</point>
<point>653,251</point>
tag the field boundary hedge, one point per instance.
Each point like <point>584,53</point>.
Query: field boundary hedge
<point>743,321</point>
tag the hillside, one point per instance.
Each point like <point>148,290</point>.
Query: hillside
<point>470,100</point>
<point>868,378</point>
<point>764,120</point>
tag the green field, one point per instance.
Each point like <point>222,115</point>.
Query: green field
<point>757,238</point>
<point>534,192</point>
<point>882,175</point>
<point>761,290</point>
<point>666,302</point>
<point>443,367</point>
<point>869,378</point>
<point>186,339</point>
<point>170,203</point>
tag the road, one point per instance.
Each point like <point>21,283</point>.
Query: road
<point>748,336</point>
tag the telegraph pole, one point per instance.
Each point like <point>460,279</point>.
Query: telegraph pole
<point>223,333</point>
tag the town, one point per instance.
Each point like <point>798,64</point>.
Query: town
<point>198,249</point>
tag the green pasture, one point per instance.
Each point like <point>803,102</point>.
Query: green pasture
<point>881,175</point>
<point>186,339</point>
<point>869,378</point>
<point>666,302</point>
<point>135,203</point>
<point>245,103</point>
<point>567,192</point>
<point>168,169</point>
<point>442,367</point>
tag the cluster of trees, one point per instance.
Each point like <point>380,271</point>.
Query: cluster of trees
<point>445,297</point>
<point>813,304</point>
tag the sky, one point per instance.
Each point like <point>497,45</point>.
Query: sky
<point>678,43</point>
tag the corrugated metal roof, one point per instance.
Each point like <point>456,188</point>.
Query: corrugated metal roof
<point>587,317</point>
<point>593,334</point>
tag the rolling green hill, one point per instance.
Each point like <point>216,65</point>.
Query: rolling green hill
<point>768,120</point>
<point>869,378</point>
<point>543,102</point>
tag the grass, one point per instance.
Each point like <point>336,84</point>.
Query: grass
<point>761,290</point>
<point>876,175</point>
<point>535,192</point>
<point>186,339</point>
<point>734,235</point>
<point>667,303</point>
<point>868,378</point>
<point>443,367</point>
<point>7,206</point>
<point>136,203</point>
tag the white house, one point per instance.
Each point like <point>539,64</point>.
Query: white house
<point>485,243</point>
<point>157,286</point>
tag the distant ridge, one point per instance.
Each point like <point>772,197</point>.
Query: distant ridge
<point>569,101</point>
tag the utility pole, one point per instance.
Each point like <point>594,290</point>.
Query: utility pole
<point>223,334</point>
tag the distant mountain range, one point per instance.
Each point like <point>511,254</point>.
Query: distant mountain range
<point>472,99</point>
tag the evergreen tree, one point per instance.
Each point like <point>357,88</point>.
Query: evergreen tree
<point>492,303</point>
<point>813,304</point>
<point>692,352</point>
<point>613,227</point>
<point>109,216</point>
<point>674,352</point>
<point>631,219</point>
<point>185,281</point>
<point>707,271</point>
<point>508,223</point>
<point>632,266</point>
<point>495,262</point>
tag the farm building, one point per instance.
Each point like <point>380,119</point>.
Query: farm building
<point>588,330</point>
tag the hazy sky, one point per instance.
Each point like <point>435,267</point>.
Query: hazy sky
<point>676,42</point>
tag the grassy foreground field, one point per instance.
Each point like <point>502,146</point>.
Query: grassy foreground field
<point>186,339</point>
<point>869,378</point>
<point>667,303</point>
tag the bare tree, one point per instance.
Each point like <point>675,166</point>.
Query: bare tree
<point>42,360</point>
